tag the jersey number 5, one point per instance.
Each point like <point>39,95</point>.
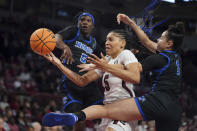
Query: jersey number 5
<point>83,58</point>
<point>107,88</point>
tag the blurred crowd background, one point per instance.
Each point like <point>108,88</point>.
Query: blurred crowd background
<point>30,85</point>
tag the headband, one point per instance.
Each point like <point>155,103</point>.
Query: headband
<point>88,14</point>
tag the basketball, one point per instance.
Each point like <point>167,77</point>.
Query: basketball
<point>43,41</point>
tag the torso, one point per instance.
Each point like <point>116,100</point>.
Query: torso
<point>168,77</point>
<point>116,88</point>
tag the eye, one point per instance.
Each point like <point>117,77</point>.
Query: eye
<point>82,19</point>
<point>110,39</point>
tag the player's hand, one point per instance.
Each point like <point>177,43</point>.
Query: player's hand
<point>86,67</point>
<point>67,55</point>
<point>37,52</point>
<point>52,58</point>
<point>124,18</point>
<point>98,62</point>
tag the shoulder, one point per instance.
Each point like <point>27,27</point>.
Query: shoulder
<point>69,29</point>
<point>69,32</point>
<point>153,62</point>
<point>127,57</point>
<point>157,57</point>
<point>127,54</point>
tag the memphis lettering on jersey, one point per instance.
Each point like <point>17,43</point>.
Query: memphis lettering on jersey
<point>87,49</point>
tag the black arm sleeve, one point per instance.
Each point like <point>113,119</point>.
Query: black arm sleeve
<point>68,33</point>
<point>153,62</point>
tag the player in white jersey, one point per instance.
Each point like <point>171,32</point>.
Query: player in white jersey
<point>115,87</point>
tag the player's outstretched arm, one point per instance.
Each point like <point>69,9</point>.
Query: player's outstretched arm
<point>67,53</point>
<point>76,78</point>
<point>152,46</point>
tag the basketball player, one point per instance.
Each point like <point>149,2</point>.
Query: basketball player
<point>78,39</point>
<point>161,104</point>
<point>115,88</point>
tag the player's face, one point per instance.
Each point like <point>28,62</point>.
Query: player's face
<point>162,42</point>
<point>114,44</point>
<point>85,24</point>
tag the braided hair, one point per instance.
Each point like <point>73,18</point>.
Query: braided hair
<point>123,34</point>
<point>132,42</point>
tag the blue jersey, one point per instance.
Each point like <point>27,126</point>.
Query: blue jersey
<point>166,71</point>
<point>81,48</point>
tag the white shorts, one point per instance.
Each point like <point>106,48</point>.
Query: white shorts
<point>117,125</point>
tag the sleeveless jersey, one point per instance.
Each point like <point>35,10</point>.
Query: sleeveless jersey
<point>81,48</point>
<point>116,88</point>
<point>168,77</point>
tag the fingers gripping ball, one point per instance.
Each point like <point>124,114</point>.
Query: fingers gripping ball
<point>43,41</point>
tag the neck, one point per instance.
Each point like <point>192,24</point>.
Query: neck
<point>170,49</point>
<point>86,35</point>
<point>116,54</point>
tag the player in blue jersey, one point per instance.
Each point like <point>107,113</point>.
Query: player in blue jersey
<point>78,43</point>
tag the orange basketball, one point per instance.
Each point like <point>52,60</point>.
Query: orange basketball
<point>43,41</point>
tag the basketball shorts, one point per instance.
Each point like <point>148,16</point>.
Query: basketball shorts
<point>117,125</point>
<point>162,107</point>
<point>78,98</point>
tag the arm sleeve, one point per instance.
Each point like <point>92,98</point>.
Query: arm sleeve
<point>127,57</point>
<point>68,33</point>
<point>153,62</point>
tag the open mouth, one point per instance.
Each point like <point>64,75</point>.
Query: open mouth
<point>84,27</point>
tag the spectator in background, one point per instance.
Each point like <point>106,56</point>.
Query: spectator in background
<point>4,102</point>
<point>2,124</point>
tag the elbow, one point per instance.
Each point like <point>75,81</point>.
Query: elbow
<point>135,80</point>
<point>81,84</point>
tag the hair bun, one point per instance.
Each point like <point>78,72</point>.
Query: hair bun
<point>180,27</point>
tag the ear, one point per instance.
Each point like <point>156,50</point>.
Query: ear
<point>123,44</point>
<point>170,44</point>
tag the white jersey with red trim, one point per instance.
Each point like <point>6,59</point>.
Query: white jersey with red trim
<point>116,88</point>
